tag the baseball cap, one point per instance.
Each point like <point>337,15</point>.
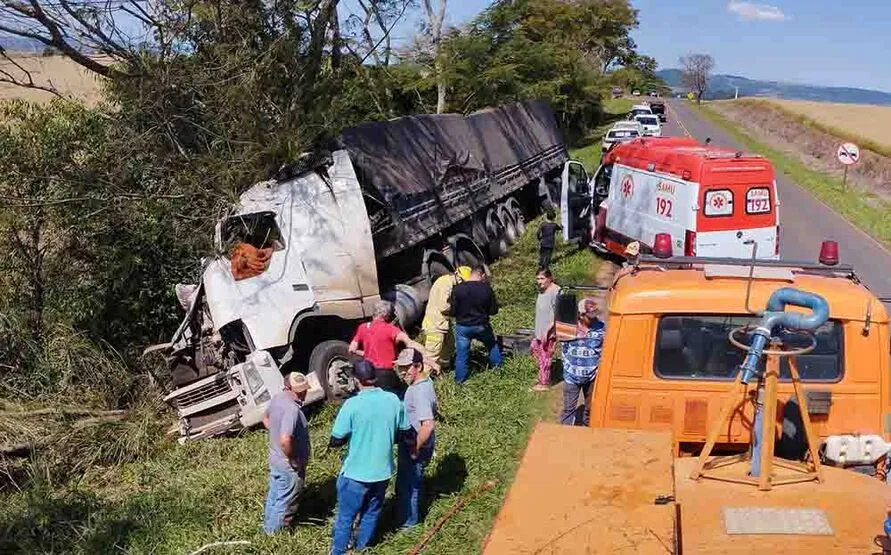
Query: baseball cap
<point>364,372</point>
<point>297,382</point>
<point>633,249</point>
<point>408,356</point>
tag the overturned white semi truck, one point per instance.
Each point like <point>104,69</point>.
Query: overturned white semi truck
<point>394,205</point>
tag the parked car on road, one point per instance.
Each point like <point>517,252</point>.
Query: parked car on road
<point>621,132</point>
<point>639,109</point>
<point>650,124</point>
<point>635,93</point>
<point>658,108</point>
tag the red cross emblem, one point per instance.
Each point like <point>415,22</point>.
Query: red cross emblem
<point>627,187</point>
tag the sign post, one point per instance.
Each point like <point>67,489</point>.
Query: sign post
<point>848,155</point>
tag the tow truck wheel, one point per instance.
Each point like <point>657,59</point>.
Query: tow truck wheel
<point>333,366</point>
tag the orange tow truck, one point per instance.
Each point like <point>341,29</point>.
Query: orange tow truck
<point>703,358</point>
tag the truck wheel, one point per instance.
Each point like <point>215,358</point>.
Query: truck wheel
<point>468,258</point>
<point>333,366</point>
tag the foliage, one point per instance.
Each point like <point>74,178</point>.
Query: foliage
<point>541,49</point>
<point>588,152</point>
<point>178,499</point>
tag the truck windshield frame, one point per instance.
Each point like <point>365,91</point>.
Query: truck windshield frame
<point>683,352</point>
<point>258,229</point>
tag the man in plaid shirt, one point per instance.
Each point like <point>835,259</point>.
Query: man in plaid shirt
<point>581,357</point>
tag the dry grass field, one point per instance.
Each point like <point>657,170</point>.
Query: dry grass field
<point>870,125</point>
<point>57,71</point>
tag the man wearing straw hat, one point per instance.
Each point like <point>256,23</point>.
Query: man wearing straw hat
<point>288,452</point>
<point>632,258</point>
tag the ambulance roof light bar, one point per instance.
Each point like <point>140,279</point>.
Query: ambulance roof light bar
<point>687,261</point>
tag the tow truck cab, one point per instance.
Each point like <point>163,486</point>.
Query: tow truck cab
<point>667,363</point>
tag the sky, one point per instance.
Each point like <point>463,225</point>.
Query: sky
<point>821,42</point>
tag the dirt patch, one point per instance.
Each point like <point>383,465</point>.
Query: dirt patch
<point>813,147</point>
<point>67,77</point>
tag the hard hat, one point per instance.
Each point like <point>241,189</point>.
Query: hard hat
<point>463,273</point>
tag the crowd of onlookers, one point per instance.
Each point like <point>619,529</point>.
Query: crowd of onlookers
<point>396,402</point>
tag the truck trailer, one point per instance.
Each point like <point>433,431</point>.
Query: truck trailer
<point>381,213</point>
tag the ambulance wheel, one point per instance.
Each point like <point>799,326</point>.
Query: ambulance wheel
<point>333,366</point>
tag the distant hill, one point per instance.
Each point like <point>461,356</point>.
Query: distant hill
<point>724,86</point>
<point>20,44</point>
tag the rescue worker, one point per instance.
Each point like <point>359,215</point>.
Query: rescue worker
<point>377,342</point>
<point>437,325</point>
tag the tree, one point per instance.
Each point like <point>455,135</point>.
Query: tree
<point>435,16</point>
<point>695,71</point>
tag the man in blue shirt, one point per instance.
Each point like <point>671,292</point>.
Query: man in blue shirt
<point>369,424</point>
<point>581,357</point>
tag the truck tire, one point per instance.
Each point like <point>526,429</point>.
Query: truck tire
<point>510,228</point>
<point>332,364</point>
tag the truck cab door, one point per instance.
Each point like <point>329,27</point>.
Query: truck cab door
<point>575,201</point>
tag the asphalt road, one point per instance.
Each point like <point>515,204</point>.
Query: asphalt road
<point>804,221</point>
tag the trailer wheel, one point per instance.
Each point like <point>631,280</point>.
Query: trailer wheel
<point>510,227</point>
<point>333,366</point>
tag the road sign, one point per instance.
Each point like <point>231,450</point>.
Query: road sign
<point>690,96</point>
<point>848,154</point>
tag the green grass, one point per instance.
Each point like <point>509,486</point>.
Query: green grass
<point>588,152</point>
<point>209,491</point>
<point>864,210</point>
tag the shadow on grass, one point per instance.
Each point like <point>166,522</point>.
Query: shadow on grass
<point>317,503</point>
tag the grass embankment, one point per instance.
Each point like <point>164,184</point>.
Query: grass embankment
<point>210,491</point>
<point>588,152</point>
<point>868,126</point>
<point>864,210</point>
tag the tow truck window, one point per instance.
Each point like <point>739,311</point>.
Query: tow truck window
<point>696,347</point>
<point>259,230</point>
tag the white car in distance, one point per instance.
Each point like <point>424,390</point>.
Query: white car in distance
<point>650,124</point>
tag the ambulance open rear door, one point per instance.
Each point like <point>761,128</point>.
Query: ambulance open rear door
<point>575,203</point>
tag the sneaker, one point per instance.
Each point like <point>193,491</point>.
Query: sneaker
<point>539,387</point>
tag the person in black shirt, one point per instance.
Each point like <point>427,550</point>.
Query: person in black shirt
<point>546,241</point>
<point>472,303</point>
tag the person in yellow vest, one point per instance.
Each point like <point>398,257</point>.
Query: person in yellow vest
<point>437,328</point>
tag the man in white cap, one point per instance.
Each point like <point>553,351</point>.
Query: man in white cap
<point>288,452</point>
<point>414,454</point>
<point>581,357</point>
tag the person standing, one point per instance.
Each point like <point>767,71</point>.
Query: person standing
<point>377,342</point>
<point>473,303</point>
<point>420,408</point>
<point>581,357</point>
<point>437,326</point>
<point>545,337</point>
<point>369,424</point>
<point>547,234</point>
<point>288,452</point>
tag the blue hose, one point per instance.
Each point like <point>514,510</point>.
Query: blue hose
<point>773,318</point>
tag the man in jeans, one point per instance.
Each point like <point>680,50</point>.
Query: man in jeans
<point>581,357</point>
<point>288,452</point>
<point>473,303</point>
<point>420,408</point>
<point>547,233</point>
<point>369,424</point>
<point>376,341</point>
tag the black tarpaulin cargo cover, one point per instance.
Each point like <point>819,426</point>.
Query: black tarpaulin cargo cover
<point>412,155</point>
